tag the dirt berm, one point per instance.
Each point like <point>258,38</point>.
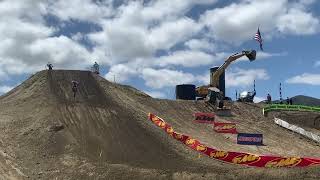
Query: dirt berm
<point>104,134</point>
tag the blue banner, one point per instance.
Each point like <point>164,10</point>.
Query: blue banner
<point>250,139</point>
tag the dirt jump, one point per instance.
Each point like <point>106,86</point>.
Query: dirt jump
<point>104,133</point>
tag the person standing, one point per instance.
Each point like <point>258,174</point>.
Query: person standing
<point>288,101</point>
<point>75,85</point>
<point>50,66</point>
<point>269,98</point>
<point>96,68</point>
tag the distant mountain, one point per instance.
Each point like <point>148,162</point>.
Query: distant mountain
<point>306,100</point>
<point>302,100</point>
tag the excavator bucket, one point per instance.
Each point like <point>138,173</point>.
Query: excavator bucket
<point>251,55</point>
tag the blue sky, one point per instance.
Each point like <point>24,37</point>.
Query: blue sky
<point>154,45</point>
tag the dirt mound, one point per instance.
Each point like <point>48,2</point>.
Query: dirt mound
<point>106,134</point>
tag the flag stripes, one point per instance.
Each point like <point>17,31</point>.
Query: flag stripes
<point>258,38</point>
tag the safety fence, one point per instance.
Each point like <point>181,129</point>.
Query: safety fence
<point>285,107</point>
<point>234,157</point>
<point>297,129</point>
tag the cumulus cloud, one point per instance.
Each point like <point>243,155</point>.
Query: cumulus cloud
<point>238,22</point>
<point>201,44</point>
<point>5,89</point>
<point>121,73</point>
<point>84,10</point>
<point>156,94</point>
<point>305,78</point>
<point>244,77</point>
<point>265,55</point>
<point>171,33</point>
<point>296,21</point>
<point>187,58</point>
<point>28,43</point>
<point>258,99</point>
<point>160,78</point>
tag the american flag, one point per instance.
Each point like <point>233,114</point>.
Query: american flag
<point>258,38</point>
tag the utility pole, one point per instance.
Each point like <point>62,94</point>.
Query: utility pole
<point>280,91</point>
<point>236,95</point>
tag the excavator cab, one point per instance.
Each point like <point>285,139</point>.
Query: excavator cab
<point>215,97</point>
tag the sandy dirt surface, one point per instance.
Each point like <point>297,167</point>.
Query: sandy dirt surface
<point>104,134</point>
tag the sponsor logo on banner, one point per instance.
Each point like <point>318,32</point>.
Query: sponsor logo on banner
<point>246,159</point>
<point>190,141</point>
<point>170,130</point>
<point>201,148</point>
<point>218,154</point>
<point>222,127</point>
<point>250,139</point>
<point>284,162</point>
<point>204,117</point>
<point>178,136</point>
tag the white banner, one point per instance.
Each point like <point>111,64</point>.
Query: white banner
<point>297,129</point>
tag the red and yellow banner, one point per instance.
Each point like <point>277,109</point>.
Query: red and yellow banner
<point>222,127</point>
<point>234,157</point>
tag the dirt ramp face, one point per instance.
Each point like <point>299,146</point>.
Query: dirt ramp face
<point>88,91</point>
<point>105,130</point>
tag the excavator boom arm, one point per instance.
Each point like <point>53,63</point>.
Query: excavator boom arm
<point>215,79</point>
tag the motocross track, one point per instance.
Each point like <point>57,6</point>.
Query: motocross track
<point>106,134</point>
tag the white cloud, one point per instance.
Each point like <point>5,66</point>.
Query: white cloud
<point>258,99</point>
<point>121,73</point>
<point>84,10</point>
<point>236,23</point>
<point>173,32</point>
<point>201,44</point>
<point>188,59</point>
<point>156,94</point>
<point>5,89</point>
<point>244,77</point>
<point>203,79</point>
<point>169,9</point>
<point>305,78</point>
<point>28,42</point>
<point>298,22</point>
<point>265,55</point>
<point>160,78</point>
<point>77,37</point>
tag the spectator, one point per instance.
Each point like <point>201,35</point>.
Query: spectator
<point>75,85</point>
<point>96,68</point>
<point>288,101</point>
<point>269,98</point>
<point>50,66</point>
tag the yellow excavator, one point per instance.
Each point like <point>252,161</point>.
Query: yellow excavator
<point>211,92</point>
